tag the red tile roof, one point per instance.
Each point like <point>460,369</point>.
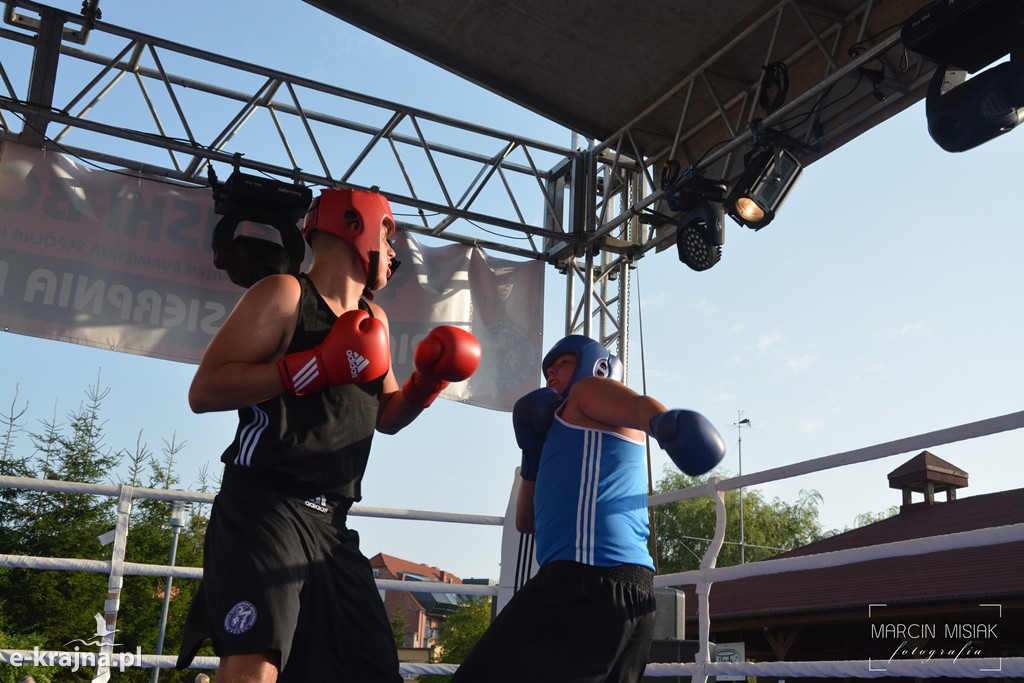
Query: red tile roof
<point>397,567</point>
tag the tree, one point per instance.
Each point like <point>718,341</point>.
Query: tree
<point>50,609</point>
<point>150,541</point>
<point>872,517</point>
<point>398,625</point>
<point>684,529</point>
<point>58,604</point>
<point>11,466</point>
<point>459,633</point>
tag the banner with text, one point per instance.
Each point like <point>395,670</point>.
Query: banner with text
<point>113,260</point>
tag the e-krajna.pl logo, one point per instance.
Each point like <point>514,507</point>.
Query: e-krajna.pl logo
<point>76,659</point>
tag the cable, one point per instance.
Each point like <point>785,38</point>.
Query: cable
<point>95,165</point>
<point>651,512</point>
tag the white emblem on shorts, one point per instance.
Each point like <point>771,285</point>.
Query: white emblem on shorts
<point>240,618</point>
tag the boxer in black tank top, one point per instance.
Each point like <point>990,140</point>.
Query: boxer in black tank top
<point>286,593</point>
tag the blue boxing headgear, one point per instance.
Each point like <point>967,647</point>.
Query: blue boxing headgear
<point>592,359</point>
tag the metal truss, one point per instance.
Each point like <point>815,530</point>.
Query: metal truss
<point>865,77</point>
<point>168,111</point>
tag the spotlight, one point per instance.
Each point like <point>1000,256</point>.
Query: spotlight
<point>700,231</point>
<point>768,177</point>
<point>700,235</point>
<point>245,197</point>
<point>965,37</point>
<point>962,115</point>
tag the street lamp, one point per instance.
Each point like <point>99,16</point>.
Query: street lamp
<point>177,521</point>
<point>741,422</point>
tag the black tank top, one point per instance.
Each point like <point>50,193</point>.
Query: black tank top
<point>311,445</point>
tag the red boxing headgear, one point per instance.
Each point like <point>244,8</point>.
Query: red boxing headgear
<point>335,209</point>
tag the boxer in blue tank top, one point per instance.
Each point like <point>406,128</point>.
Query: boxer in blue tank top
<point>606,523</point>
<point>587,616</point>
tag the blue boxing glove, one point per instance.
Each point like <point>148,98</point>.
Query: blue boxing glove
<point>532,416</point>
<point>692,442</point>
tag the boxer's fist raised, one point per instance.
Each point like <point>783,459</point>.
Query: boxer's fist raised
<point>446,354</point>
<point>532,416</point>
<point>355,350</point>
<point>692,442</point>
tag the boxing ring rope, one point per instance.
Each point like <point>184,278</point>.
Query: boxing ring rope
<point>702,578</point>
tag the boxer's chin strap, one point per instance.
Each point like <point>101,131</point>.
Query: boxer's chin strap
<point>371,274</point>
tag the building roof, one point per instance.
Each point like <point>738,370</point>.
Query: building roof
<point>433,603</point>
<point>970,574</point>
<point>398,568</point>
<point>927,468</point>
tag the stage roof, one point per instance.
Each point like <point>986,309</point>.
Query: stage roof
<point>656,69</point>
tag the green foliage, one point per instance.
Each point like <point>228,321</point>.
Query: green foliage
<point>872,517</point>
<point>459,633</point>
<point>398,627</point>
<point>51,609</point>
<point>12,674</point>
<point>684,528</point>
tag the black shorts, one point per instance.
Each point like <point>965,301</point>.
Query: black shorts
<point>285,576</point>
<point>570,623</point>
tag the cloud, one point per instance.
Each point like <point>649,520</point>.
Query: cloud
<point>705,306</point>
<point>805,426</point>
<point>895,333</point>
<point>798,364</point>
<point>723,398</point>
<point>872,375</point>
<point>767,340</point>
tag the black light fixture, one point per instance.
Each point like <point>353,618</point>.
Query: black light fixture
<point>244,197</point>
<point>962,115</point>
<point>700,230</point>
<point>964,37</point>
<point>770,173</point>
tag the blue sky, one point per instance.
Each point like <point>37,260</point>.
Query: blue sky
<point>883,302</point>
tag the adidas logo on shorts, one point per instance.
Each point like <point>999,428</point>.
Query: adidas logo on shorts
<point>356,363</point>
<point>319,504</point>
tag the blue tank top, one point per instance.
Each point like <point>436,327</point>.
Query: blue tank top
<point>590,501</point>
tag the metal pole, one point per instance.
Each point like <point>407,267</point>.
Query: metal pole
<point>177,521</point>
<point>740,423</point>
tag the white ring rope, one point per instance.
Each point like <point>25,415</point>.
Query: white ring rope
<point>970,430</point>
<point>1011,533</point>
<point>703,578</point>
<point>991,667</point>
<point>436,587</point>
<point>138,569</point>
<point>426,516</point>
<point>114,491</point>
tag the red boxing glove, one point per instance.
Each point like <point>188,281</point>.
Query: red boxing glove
<point>446,354</point>
<point>355,350</point>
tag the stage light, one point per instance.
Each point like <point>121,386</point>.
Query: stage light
<point>769,175</point>
<point>965,37</point>
<point>962,115</point>
<point>700,235</point>
<point>700,230</point>
<point>280,205</point>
